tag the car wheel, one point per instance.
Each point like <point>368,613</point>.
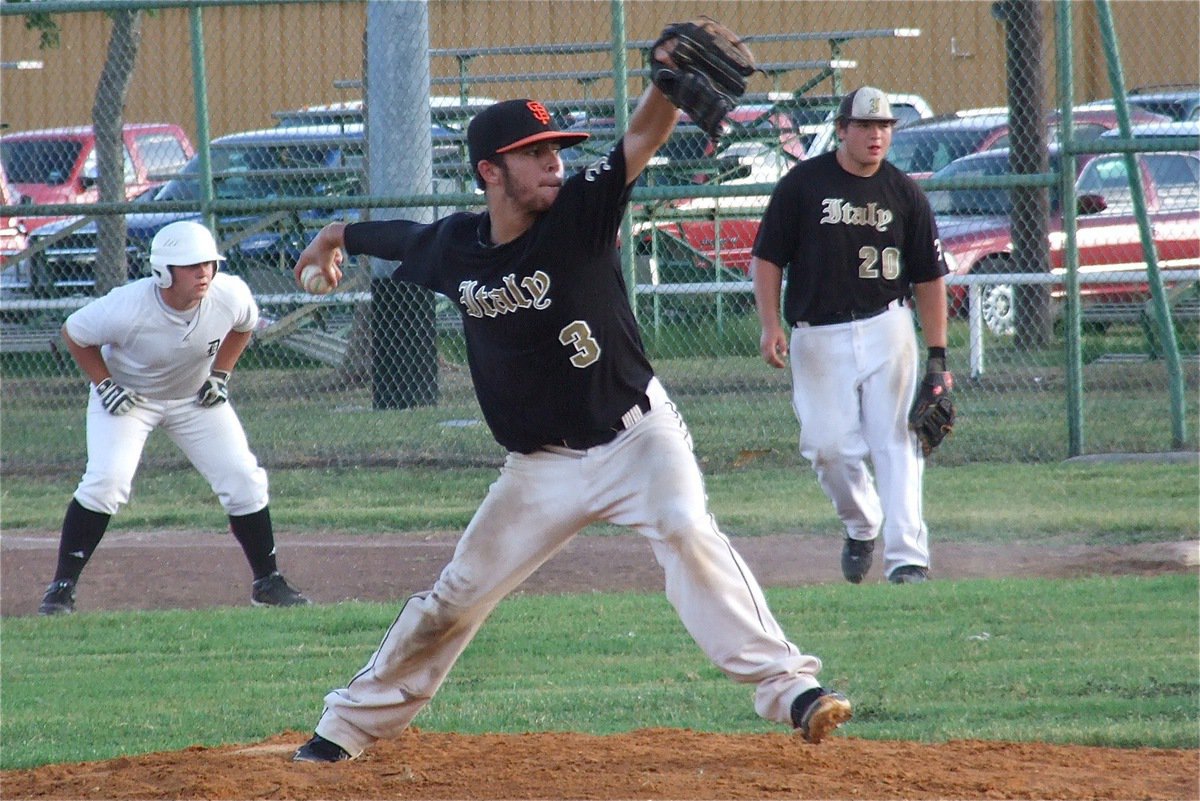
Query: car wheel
<point>997,302</point>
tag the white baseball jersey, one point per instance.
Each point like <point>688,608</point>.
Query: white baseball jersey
<point>155,350</point>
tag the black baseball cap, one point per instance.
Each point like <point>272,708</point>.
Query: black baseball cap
<point>511,124</point>
<point>866,103</point>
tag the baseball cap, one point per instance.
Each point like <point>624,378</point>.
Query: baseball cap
<point>866,103</point>
<point>511,124</point>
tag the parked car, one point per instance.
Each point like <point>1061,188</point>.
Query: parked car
<point>1158,130</point>
<point>975,225</point>
<point>1177,102</point>
<point>252,166</point>
<point>922,148</point>
<point>12,228</point>
<point>58,165</point>
<point>448,111</point>
<point>309,161</point>
<point>760,143</point>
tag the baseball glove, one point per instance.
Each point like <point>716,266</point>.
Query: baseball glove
<point>932,413</point>
<point>710,69</point>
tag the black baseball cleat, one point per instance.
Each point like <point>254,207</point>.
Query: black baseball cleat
<point>815,716</point>
<point>273,590</point>
<point>59,598</point>
<point>909,574</point>
<point>856,559</point>
<point>318,749</point>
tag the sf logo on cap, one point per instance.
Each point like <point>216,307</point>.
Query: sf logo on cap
<point>539,112</point>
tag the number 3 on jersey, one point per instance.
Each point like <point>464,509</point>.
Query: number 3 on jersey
<point>578,334</point>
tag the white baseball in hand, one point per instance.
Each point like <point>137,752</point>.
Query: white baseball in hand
<point>313,281</point>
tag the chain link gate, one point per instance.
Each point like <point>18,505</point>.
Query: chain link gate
<point>260,115</point>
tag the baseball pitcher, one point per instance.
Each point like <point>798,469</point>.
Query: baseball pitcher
<point>565,386</point>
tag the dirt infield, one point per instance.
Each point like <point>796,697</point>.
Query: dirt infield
<point>138,570</point>
<point>646,764</point>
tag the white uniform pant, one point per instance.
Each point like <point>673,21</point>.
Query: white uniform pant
<point>852,386</point>
<point>212,439</point>
<point>646,478</point>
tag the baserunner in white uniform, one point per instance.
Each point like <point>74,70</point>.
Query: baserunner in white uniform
<point>159,352</point>
<point>857,237</point>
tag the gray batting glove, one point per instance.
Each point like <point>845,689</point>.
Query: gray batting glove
<point>215,389</point>
<point>115,399</point>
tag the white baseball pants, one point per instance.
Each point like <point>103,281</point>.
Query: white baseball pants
<point>852,386</point>
<point>648,479</point>
<point>212,439</point>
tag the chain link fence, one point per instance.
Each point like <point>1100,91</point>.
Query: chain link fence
<point>288,118</point>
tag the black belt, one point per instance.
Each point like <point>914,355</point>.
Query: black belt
<point>592,440</point>
<point>850,316</point>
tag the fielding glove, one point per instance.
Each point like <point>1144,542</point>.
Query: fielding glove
<point>710,72</point>
<point>932,413</point>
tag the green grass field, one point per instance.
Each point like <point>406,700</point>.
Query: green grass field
<point>1100,661</point>
<point>1062,503</point>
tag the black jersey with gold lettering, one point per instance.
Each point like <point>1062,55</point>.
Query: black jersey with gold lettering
<point>847,243</point>
<point>552,343</point>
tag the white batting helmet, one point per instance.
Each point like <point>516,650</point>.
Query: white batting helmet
<point>178,245</point>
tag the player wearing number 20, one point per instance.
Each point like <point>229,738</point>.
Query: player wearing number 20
<point>857,237</point>
<point>564,384</point>
<point>159,352</point>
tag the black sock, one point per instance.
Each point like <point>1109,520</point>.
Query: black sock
<point>801,704</point>
<point>82,530</point>
<point>257,538</point>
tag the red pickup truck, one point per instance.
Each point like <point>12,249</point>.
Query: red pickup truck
<point>58,165</point>
<point>975,227</point>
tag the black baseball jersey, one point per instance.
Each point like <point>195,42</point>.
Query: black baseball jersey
<point>552,343</point>
<point>847,243</point>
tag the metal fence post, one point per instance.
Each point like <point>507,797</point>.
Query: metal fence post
<point>404,369</point>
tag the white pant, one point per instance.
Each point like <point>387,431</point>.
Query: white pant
<point>212,439</point>
<point>648,479</point>
<point>852,386</point>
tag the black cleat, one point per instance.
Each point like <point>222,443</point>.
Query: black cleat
<point>59,598</point>
<point>823,714</point>
<point>318,749</point>
<point>909,574</point>
<point>273,590</point>
<point>856,559</point>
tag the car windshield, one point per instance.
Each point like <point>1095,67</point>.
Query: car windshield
<point>257,172</point>
<point>1176,109</point>
<point>927,150</point>
<point>979,201</point>
<point>40,161</point>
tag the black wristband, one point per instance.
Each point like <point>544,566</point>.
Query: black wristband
<point>936,363</point>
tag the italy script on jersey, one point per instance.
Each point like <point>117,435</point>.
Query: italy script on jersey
<point>529,292</point>
<point>552,342</point>
<point>842,212</point>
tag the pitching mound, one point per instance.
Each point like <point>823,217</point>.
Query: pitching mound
<point>652,763</point>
